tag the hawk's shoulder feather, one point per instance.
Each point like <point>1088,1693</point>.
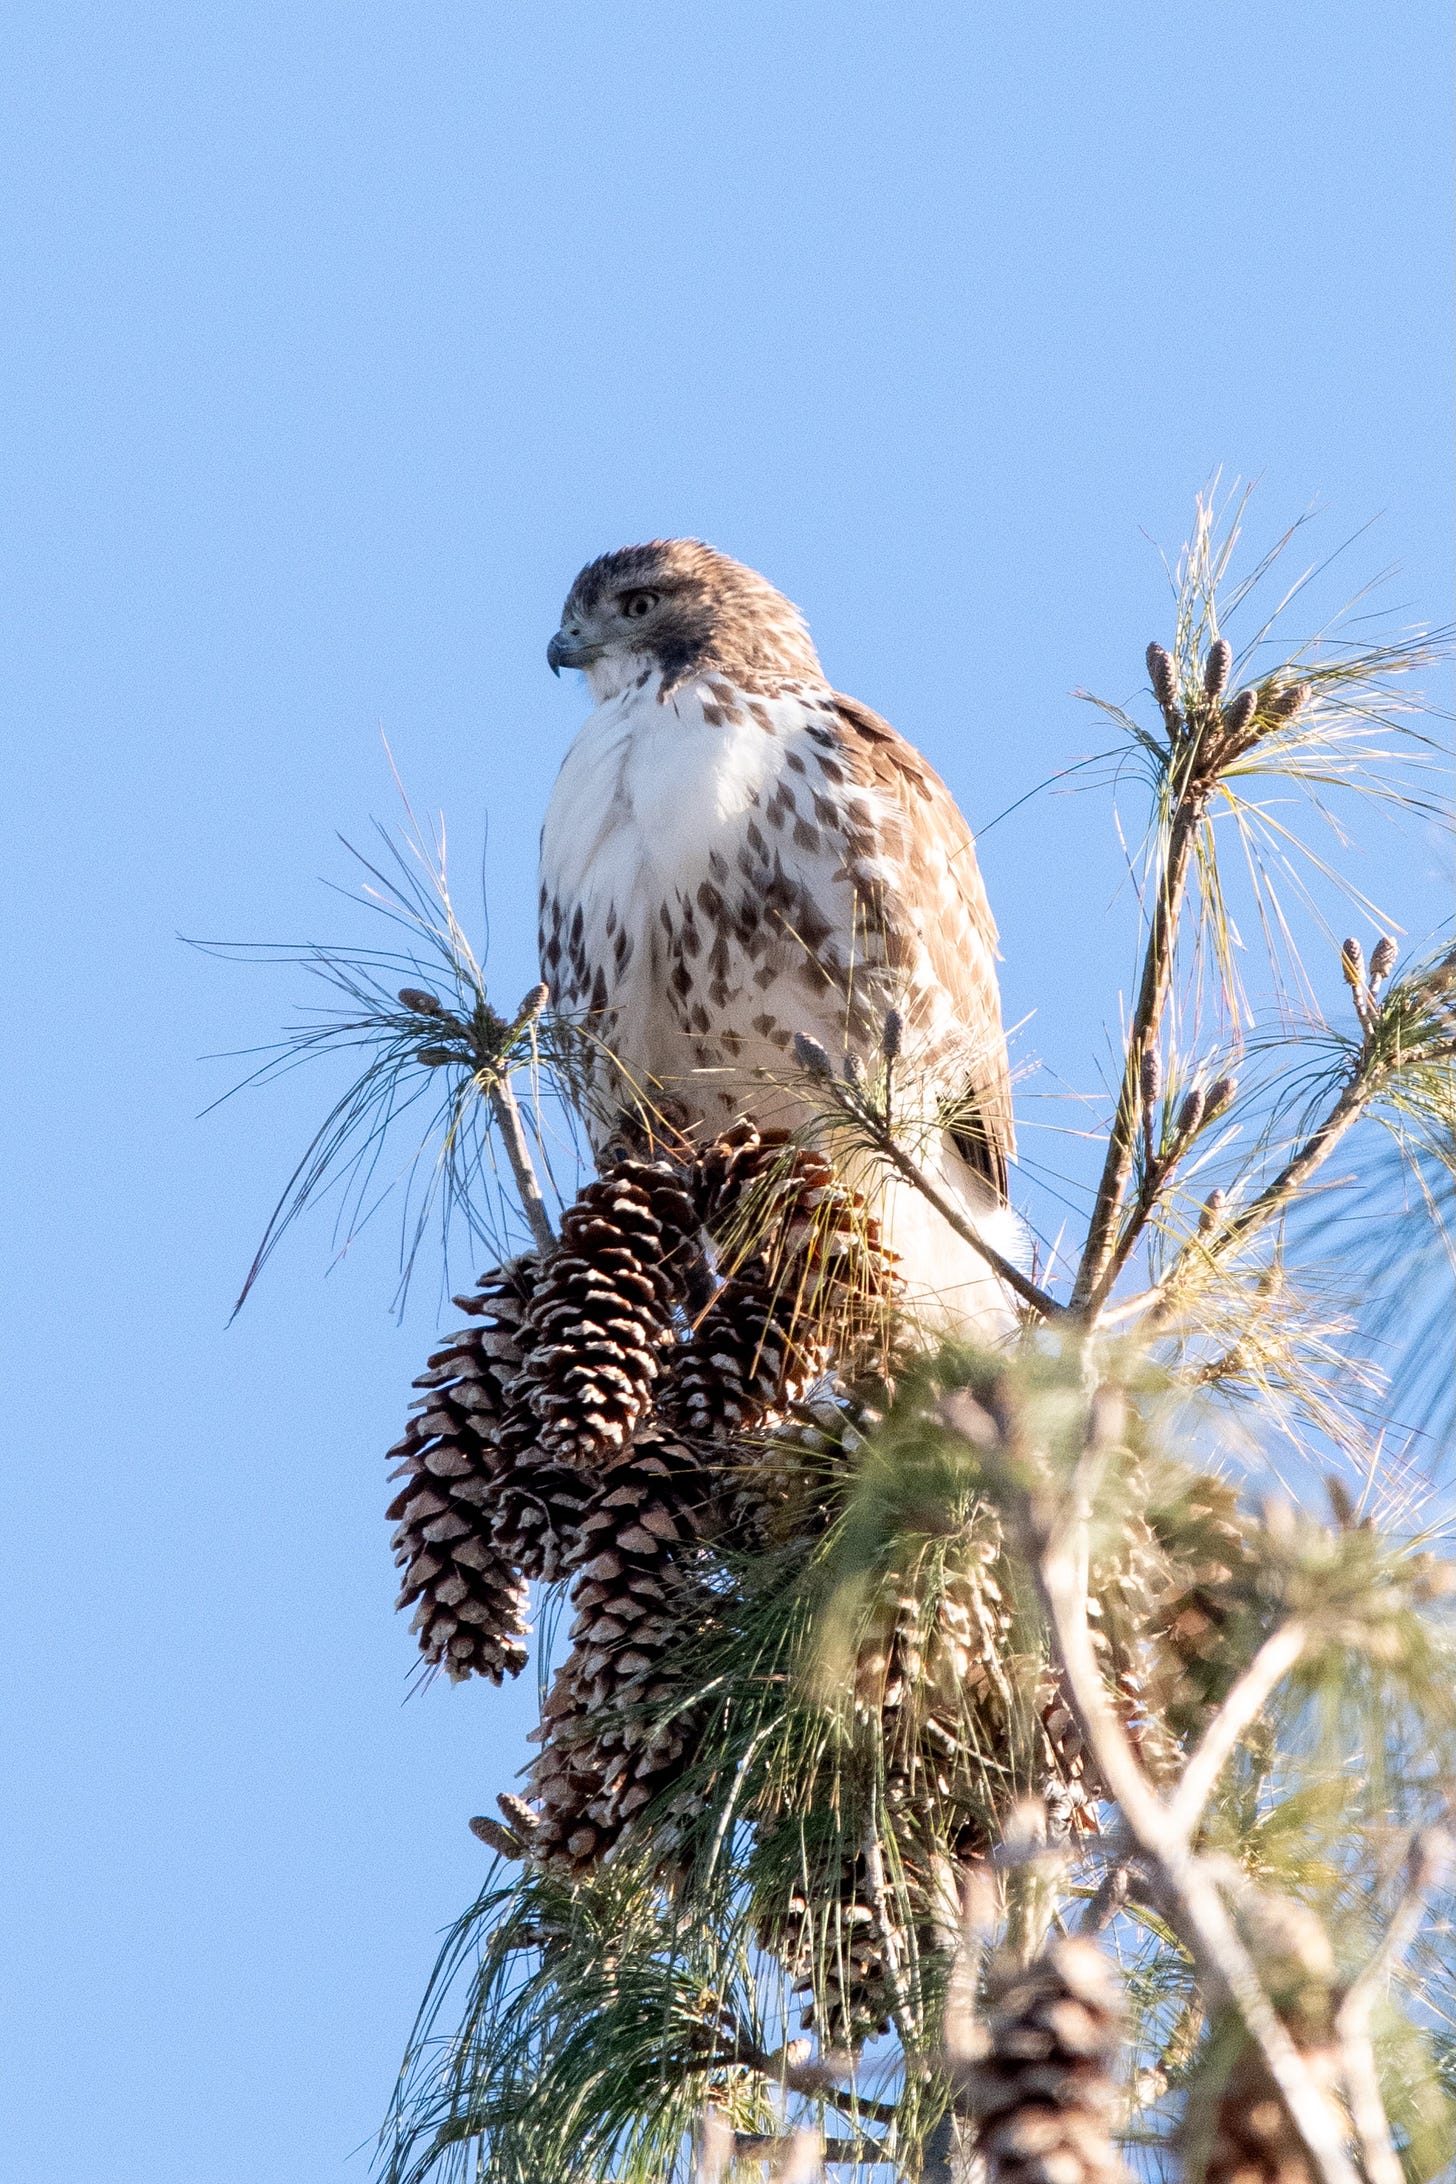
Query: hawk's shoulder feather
<point>958,931</point>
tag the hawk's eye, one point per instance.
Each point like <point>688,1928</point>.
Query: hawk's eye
<point>637,603</point>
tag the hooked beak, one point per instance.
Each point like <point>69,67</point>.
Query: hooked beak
<point>568,651</point>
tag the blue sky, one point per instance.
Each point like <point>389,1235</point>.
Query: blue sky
<point>338,336</point>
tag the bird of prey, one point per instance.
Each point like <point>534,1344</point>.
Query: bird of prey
<point>734,854</point>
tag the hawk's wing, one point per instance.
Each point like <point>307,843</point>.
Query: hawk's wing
<point>945,899</point>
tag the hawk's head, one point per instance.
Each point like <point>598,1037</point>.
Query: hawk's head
<point>682,607</point>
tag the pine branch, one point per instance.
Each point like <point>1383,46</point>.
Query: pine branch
<point>816,2080</point>
<point>1270,1665</point>
<point>1412,1031</point>
<point>874,1858</point>
<point>874,1126</point>
<point>798,2154</point>
<point>1431,1853</point>
<point>1157,974</point>
<point>1030,1292</point>
<point>1188,1890</point>
<point>1239,1227</point>
<point>507,1113</point>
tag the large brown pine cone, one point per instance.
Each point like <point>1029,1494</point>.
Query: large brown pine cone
<point>470,1613</point>
<point>750,1354</point>
<point>537,1502</point>
<point>1043,2092</point>
<point>610,1742</point>
<point>779,1206</point>
<point>1175,1608</point>
<point>936,1660</point>
<point>604,1310</point>
<point>731,1169</point>
<point>1212,1588</point>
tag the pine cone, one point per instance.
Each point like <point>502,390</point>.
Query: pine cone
<point>606,1752</point>
<point>1210,1590</point>
<point>1043,2092</point>
<point>603,1311</point>
<point>471,1604</point>
<point>924,1663</point>
<point>537,1503</point>
<point>1177,1604</point>
<point>729,1167</point>
<point>747,1358</point>
<point>802,1239</point>
<point>829,1942</point>
<point>939,1665</point>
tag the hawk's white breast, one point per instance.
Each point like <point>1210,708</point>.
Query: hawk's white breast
<point>709,870</point>
<point>694,884</point>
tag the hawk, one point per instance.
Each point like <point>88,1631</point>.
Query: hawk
<point>733,854</point>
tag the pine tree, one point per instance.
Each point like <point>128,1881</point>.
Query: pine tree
<point>847,1605</point>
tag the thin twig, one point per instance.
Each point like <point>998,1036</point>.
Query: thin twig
<point>1378,2157</point>
<point>818,2080</point>
<point>513,1136</point>
<point>1029,1291</point>
<point>1431,1852</point>
<point>1157,975</point>
<point>1355,1097</point>
<point>874,1858</point>
<point>798,2156</point>
<point>1103,1907</point>
<point>1270,1665</point>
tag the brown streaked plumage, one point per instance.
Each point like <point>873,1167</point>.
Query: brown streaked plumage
<point>735,853</point>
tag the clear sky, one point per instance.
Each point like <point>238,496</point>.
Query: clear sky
<point>337,336</point>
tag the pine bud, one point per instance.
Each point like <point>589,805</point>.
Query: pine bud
<point>892,1038</point>
<point>853,1073</point>
<point>1213,1206</point>
<point>1340,1502</point>
<point>1163,676</point>
<point>1220,1092</point>
<point>1151,1078</point>
<point>1216,667</point>
<point>1287,702</point>
<point>1239,713</point>
<point>1382,961</point>
<point>532,1005</point>
<point>1352,963</point>
<point>420,1002</point>
<point>811,1057</point>
<point>1190,1114</point>
<point>494,1836</point>
<point>435,1057</point>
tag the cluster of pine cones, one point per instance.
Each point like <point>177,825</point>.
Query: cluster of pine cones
<point>588,1423</point>
<point>614,1407</point>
